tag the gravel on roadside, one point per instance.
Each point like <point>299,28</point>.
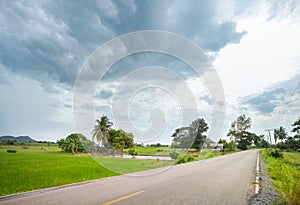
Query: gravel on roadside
<point>267,193</point>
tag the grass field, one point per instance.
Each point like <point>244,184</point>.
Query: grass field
<point>286,174</point>
<point>34,168</point>
<point>146,151</point>
<point>124,166</point>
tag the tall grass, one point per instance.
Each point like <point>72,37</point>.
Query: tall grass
<point>286,174</point>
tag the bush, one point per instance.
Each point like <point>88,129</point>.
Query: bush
<point>275,153</point>
<point>132,152</point>
<point>231,146</point>
<point>174,155</point>
<point>11,151</point>
<point>184,159</point>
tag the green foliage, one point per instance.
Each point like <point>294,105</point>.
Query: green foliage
<point>286,174</point>
<point>182,138</point>
<point>263,143</point>
<point>239,131</point>
<point>291,143</point>
<point>8,142</point>
<point>242,123</point>
<point>100,131</point>
<point>156,145</point>
<point>11,151</point>
<point>75,143</point>
<point>174,155</point>
<point>132,152</point>
<point>198,127</point>
<point>185,159</point>
<point>129,141</point>
<point>224,142</point>
<point>231,146</point>
<point>280,134</point>
<point>275,153</point>
<point>119,139</point>
<point>192,136</point>
<point>296,126</point>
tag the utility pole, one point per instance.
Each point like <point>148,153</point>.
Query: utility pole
<point>268,130</point>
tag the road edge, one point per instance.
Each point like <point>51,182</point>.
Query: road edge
<point>256,182</point>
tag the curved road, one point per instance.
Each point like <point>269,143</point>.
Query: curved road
<point>222,180</point>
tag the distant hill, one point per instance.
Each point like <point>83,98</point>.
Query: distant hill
<point>18,139</point>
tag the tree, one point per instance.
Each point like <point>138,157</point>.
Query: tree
<point>129,142</point>
<point>192,136</point>
<point>224,142</point>
<point>295,141</point>
<point>242,123</point>
<point>75,143</point>
<point>119,140</point>
<point>296,128</point>
<point>197,128</point>
<point>100,131</point>
<point>280,134</point>
<point>232,146</point>
<point>260,142</point>
<point>181,138</point>
<point>239,131</point>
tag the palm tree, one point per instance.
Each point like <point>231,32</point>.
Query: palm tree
<point>280,134</point>
<point>100,131</point>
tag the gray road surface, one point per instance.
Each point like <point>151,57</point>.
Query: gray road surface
<point>222,180</point>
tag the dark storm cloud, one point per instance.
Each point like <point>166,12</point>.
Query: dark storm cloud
<point>49,40</point>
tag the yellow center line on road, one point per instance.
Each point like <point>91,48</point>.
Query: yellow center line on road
<point>123,198</point>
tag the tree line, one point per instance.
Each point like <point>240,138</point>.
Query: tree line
<point>239,132</point>
<point>193,136</point>
<point>106,138</point>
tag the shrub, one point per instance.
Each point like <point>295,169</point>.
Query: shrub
<point>132,152</point>
<point>275,153</point>
<point>11,151</point>
<point>180,160</point>
<point>205,154</point>
<point>174,155</point>
<point>184,159</point>
<point>231,146</point>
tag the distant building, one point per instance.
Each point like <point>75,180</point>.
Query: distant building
<point>209,144</point>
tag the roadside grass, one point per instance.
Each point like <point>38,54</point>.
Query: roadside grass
<point>153,151</point>
<point>206,154</point>
<point>124,166</point>
<point>32,168</point>
<point>160,151</point>
<point>286,174</point>
<point>193,155</point>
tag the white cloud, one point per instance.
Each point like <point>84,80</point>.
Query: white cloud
<point>268,55</point>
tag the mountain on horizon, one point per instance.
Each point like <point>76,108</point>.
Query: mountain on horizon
<point>18,139</point>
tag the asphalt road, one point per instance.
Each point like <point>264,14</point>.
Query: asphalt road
<point>222,180</point>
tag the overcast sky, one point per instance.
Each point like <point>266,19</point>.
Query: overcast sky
<point>253,46</point>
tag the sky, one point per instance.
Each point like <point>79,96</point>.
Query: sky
<point>249,55</point>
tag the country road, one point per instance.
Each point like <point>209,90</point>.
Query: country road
<point>223,180</point>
